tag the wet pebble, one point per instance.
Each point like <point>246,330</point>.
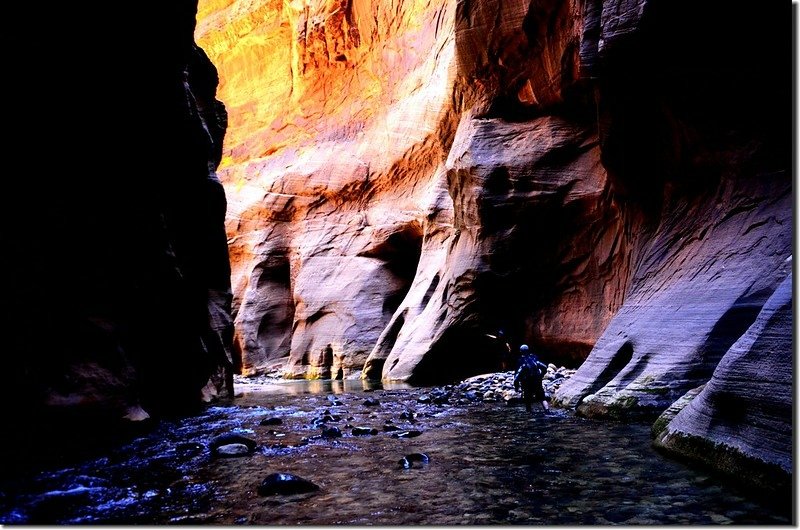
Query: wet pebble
<point>720,519</point>
<point>285,484</point>
<point>231,438</point>
<point>327,418</point>
<point>229,450</point>
<point>441,398</point>
<point>408,461</point>
<point>406,434</point>
<point>499,386</point>
<point>273,432</point>
<point>364,431</point>
<point>331,432</point>
<point>390,427</point>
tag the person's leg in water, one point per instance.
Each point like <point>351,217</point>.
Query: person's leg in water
<point>527,397</point>
<point>540,396</point>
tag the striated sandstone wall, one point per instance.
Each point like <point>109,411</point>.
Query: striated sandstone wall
<point>741,428</point>
<point>707,173</point>
<point>328,228</point>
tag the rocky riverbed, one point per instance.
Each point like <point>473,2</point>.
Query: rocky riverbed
<point>347,452</point>
<point>495,386</point>
<point>499,386</point>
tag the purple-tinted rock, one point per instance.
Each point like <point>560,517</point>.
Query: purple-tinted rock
<point>285,484</point>
<point>739,421</point>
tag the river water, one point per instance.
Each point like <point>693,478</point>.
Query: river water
<point>489,464</point>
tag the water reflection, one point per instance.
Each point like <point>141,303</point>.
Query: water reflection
<point>317,386</point>
<point>489,464</point>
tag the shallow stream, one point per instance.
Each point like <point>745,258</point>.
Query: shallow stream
<point>489,464</point>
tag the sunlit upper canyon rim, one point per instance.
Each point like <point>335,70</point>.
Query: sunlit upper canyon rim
<point>368,191</point>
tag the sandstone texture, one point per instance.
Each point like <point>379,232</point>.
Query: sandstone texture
<point>118,278</point>
<point>394,238</point>
<point>738,421</point>
<point>709,202</point>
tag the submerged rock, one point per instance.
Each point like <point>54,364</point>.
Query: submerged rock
<point>406,434</point>
<point>441,399</point>
<point>327,418</point>
<point>233,450</point>
<point>364,431</point>
<point>331,432</point>
<point>408,461</point>
<point>285,484</point>
<point>271,421</point>
<point>188,448</point>
<point>231,438</point>
<point>370,402</point>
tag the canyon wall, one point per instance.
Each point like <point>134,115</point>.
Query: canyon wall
<point>607,181</point>
<point>118,280</point>
<point>367,222</point>
<point>696,142</point>
<point>738,427</point>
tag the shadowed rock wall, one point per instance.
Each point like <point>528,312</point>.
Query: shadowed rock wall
<point>118,277</point>
<point>706,179</point>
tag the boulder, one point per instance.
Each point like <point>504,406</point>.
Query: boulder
<point>232,450</point>
<point>738,421</point>
<point>285,484</point>
<point>231,439</point>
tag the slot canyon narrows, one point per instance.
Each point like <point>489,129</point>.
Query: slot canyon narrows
<point>275,262</point>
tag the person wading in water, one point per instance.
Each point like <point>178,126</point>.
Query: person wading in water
<point>529,376</point>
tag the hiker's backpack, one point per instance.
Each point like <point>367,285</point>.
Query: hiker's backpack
<point>529,368</point>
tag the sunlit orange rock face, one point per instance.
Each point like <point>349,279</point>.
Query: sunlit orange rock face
<point>341,114</point>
